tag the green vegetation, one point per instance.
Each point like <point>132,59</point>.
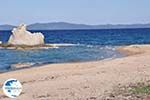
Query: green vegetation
<point>141,90</point>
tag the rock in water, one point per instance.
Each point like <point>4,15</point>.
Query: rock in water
<point>21,65</point>
<point>20,36</point>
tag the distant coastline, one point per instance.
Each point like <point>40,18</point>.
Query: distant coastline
<point>72,26</point>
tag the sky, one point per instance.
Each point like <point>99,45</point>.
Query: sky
<point>75,11</point>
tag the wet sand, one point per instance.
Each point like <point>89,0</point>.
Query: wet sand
<point>84,80</point>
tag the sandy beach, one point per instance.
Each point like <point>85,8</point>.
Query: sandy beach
<point>84,80</point>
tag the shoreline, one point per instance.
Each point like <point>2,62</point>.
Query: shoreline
<point>82,79</point>
<point>25,65</point>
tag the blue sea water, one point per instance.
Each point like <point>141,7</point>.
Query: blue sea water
<point>88,45</point>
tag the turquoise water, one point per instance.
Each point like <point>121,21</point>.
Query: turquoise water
<point>56,55</point>
<point>88,45</point>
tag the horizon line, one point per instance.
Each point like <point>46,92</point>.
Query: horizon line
<point>77,23</point>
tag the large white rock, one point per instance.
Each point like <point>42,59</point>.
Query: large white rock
<point>20,36</point>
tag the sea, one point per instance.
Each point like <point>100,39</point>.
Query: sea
<point>76,46</point>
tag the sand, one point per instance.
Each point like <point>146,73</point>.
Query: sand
<point>84,80</point>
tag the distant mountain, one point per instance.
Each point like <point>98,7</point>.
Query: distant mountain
<point>69,26</point>
<point>6,27</point>
<point>58,26</point>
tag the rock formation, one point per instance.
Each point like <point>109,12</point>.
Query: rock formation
<point>20,36</point>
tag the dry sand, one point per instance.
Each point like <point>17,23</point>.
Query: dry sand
<point>82,81</point>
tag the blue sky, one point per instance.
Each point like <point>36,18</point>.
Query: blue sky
<point>75,11</point>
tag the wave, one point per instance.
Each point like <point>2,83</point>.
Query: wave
<point>106,47</point>
<point>101,47</point>
<point>62,44</point>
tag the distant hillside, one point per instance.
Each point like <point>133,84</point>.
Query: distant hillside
<point>64,25</point>
<point>69,26</point>
<point>57,26</point>
<point>6,27</point>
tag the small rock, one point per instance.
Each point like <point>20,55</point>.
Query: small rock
<point>21,65</point>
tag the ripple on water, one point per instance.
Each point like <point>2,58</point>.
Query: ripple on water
<point>67,53</point>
